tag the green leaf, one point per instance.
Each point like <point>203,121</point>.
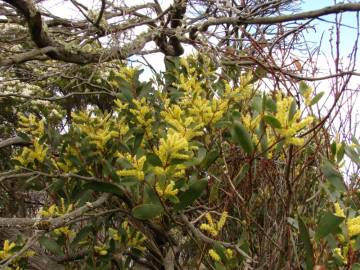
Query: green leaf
<point>329,223</point>
<point>138,139</point>
<point>272,121</point>
<point>355,266</point>
<point>220,250</point>
<point>340,152</point>
<point>104,187</point>
<point>242,137</point>
<point>241,174</point>
<point>150,196</point>
<point>270,105</point>
<point>189,196</point>
<point>147,211</point>
<point>51,245</point>
<point>334,177</point>
<point>333,148</point>
<point>210,158</point>
<point>316,98</point>
<point>109,171</point>
<point>357,243</point>
<point>82,234</point>
<point>257,104</point>
<point>214,192</point>
<point>293,109</point>
<point>303,87</point>
<point>352,154</point>
<point>153,159</point>
<point>305,238</point>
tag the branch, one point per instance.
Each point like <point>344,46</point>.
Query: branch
<point>38,29</point>
<point>55,98</point>
<point>101,13</point>
<point>14,141</point>
<point>208,240</point>
<point>35,54</point>
<point>5,262</point>
<point>51,223</point>
<point>282,18</point>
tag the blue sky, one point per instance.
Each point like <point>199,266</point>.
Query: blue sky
<point>348,35</point>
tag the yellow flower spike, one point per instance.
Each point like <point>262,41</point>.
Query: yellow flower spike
<point>158,189</point>
<point>141,112</point>
<point>209,219</point>
<point>8,246</point>
<point>31,124</point>
<point>137,166</point>
<point>53,210</point>
<point>114,234</point>
<point>29,156</point>
<point>290,128</point>
<point>353,225</point>
<point>213,254</point>
<point>209,229</point>
<point>169,189</point>
<point>186,126</point>
<point>229,253</point>
<point>121,105</point>
<point>6,251</point>
<point>172,147</point>
<point>101,250</point>
<point>222,221</point>
<point>64,231</point>
<point>339,254</point>
<point>338,210</point>
<point>29,253</point>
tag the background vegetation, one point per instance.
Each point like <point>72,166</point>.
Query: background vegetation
<point>229,158</point>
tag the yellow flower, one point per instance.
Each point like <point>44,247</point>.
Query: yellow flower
<point>55,211</point>
<point>65,231</point>
<point>229,253</point>
<point>127,73</point>
<point>338,210</point>
<point>213,254</point>
<point>290,127</point>
<point>114,234</point>
<point>28,155</point>
<point>144,116</point>
<point>187,126</point>
<point>241,93</point>
<point>169,189</point>
<point>6,251</point>
<point>101,250</point>
<point>207,111</point>
<point>353,225</point>
<point>189,84</point>
<point>222,221</point>
<point>173,147</point>
<point>338,253</point>
<point>134,239</point>
<point>31,124</point>
<point>137,169</point>
<point>121,105</point>
<point>211,227</point>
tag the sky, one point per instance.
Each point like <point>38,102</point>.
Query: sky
<point>322,30</point>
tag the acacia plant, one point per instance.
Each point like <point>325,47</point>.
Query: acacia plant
<point>226,159</point>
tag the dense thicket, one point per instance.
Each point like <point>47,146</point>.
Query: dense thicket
<point>225,159</point>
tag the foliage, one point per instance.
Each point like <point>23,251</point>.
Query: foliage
<point>226,159</point>
<point>208,150</point>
